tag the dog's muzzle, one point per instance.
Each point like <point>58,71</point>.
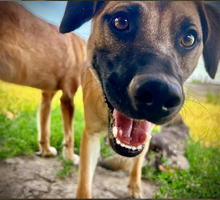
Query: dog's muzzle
<point>155,99</point>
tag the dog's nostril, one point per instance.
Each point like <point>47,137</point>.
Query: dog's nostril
<point>171,103</point>
<point>146,97</point>
<point>155,96</point>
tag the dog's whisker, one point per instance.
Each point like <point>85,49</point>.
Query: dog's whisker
<point>93,85</point>
<point>103,106</point>
<point>185,106</point>
<point>183,112</point>
<point>202,107</point>
<point>192,92</point>
<point>193,95</point>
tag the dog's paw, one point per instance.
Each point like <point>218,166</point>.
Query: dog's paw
<point>76,159</point>
<point>135,191</point>
<point>47,152</point>
<point>67,154</point>
<point>53,151</point>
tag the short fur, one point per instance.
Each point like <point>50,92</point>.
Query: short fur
<point>33,53</point>
<point>131,69</point>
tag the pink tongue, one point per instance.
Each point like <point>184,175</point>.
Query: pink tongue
<point>130,132</point>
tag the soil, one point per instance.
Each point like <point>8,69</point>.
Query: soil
<point>35,177</point>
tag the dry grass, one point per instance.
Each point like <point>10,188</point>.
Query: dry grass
<point>204,121</point>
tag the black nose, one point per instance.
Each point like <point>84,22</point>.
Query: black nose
<point>156,96</point>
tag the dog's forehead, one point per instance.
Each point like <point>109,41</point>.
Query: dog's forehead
<point>151,10</point>
<point>154,21</point>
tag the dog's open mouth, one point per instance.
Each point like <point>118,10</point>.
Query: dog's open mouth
<point>127,136</point>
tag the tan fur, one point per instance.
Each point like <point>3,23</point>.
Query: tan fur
<point>33,53</point>
<point>96,122</point>
<point>154,36</point>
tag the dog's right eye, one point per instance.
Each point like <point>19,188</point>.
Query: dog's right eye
<point>188,40</point>
<point>120,23</point>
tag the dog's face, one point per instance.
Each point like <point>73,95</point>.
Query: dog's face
<point>142,59</point>
<point>142,53</point>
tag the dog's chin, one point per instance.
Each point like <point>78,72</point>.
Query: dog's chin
<point>122,150</point>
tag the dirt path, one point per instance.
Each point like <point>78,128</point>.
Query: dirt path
<point>35,177</point>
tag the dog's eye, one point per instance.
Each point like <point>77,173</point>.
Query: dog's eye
<point>188,40</point>
<point>121,23</point>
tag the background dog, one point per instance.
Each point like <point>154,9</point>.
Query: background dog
<point>139,56</point>
<point>33,53</point>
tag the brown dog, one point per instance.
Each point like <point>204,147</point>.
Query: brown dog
<point>139,56</point>
<point>34,53</point>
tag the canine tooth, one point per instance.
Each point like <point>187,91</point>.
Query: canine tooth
<point>117,141</point>
<point>115,131</point>
<point>139,147</point>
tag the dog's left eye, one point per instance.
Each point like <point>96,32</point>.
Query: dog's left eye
<point>188,40</point>
<point>120,23</point>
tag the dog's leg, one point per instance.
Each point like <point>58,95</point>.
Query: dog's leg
<point>67,109</point>
<point>134,184</point>
<point>89,153</point>
<point>44,124</point>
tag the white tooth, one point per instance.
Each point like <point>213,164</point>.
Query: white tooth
<point>139,147</point>
<point>133,148</point>
<point>115,131</point>
<point>129,147</point>
<point>123,145</point>
<point>117,141</point>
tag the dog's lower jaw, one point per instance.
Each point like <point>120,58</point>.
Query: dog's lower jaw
<point>121,148</point>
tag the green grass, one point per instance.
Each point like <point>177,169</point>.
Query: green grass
<point>196,81</point>
<point>213,99</point>
<point>202,179</point>
<point>67,168</point>
<point>18,136</point>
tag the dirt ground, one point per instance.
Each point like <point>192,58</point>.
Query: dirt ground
<point>35,177</point>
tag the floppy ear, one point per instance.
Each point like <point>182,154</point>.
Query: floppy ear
<point>77,13</point>
<point>210,19</point>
